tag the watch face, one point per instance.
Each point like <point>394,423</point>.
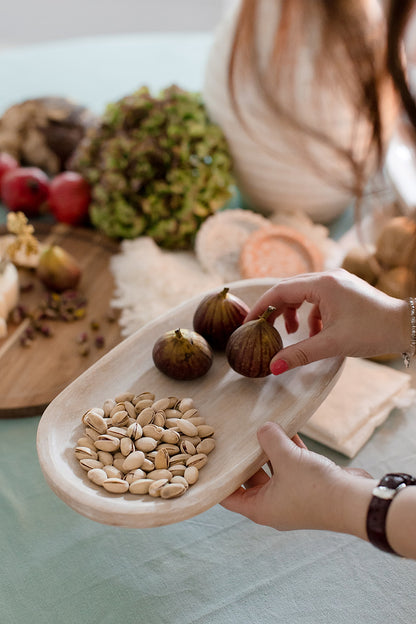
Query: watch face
<point>384,492</point>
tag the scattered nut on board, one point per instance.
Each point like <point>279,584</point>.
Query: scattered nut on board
<point>135,443</point>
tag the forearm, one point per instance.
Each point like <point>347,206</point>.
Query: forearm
<point>400,327</point>
<point>344,505</point>
<point>345,511</point>
<point>401,523</point>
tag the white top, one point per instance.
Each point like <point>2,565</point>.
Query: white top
<point>269,156</point>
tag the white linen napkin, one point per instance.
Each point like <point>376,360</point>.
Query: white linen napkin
<point>361,400</point>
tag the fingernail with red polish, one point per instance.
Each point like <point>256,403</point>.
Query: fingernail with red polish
<point>279,366</point>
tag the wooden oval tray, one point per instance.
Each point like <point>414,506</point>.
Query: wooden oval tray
<point>32,376</point>
<point>234,405</point>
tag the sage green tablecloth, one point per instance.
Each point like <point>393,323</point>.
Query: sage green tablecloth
<point>57,567</point>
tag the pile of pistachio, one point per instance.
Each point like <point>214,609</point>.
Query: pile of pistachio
<point>141,445</point>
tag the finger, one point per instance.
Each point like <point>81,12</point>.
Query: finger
<point>300,443</point>
<point>243,501</point>
<point>291,320</point>
<point>259,478</point>
<point>359,472</point>
<point>315,321</point>
<point>311,349</point>
<point>287,293</point>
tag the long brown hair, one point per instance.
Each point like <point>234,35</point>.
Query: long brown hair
<point>347,47</point>
<point>397,20</point>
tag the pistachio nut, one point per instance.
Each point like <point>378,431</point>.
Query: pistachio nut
<point>108,406</point>
<point>170,436</point>
<point>115,486</point>
<point>191,474</point>
<point>140,486</point>
<point>146,416</point>
<point>185,404</point>
<point>108,443</point>
<point>161,404</point>
<point>161,459</point>
<point>198,460</point>
<point>105,457</point>
<point>94,419</point>
<point>180,479</point>
<point>204,431</point>
<point>84,452</point>
<point>88,464</point>
<point>187,428</point>
<point>159,474</point>
<point>143,404</point>
<point>145,444</point>
<point>112,472</point>
<point>172,490</point>
<point>187,447</point>
<point>126,446</point>
<point>119,418</point>
<point>134,475</point>
<point>159,419</point>
<point>134,431</point>
<point>191,413</point>
<point>177,470</point>
<point>147,465</point>
<point>206,446</point>
<point>133,461</point>
<point>156,486</point>
<point>124,396</point>
<point>153,431</point>
<point>129,407</point>
<point>117,432</point>
<point>86,441</point>
<point>97,475</point>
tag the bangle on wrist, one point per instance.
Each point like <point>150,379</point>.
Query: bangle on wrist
<point>407,355</point>
<point>390,485</point>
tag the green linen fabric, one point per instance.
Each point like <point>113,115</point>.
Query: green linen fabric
<point>57,567</point>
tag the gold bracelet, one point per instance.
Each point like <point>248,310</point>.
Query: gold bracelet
<point>409,354</point>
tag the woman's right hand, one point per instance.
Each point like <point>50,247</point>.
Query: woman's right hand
<point>348,318</point>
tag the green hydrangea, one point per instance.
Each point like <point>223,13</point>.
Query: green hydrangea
<point>157,167</point>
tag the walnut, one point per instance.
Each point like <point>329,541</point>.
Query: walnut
<point>44,132</point>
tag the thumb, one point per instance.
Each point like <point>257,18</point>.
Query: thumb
<point>275,442</point>
<point>317,347</point>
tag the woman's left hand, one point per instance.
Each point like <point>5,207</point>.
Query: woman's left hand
<point>302,492</point>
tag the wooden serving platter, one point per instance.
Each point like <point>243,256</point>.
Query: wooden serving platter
<point>32,376</point>
<point>235,406</point>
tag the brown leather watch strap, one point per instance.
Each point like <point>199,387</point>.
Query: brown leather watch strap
<point>389,486</point>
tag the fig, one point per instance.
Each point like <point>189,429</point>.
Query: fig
<point>251,347</point>
<point>182,354</point>
<point>57,269</point>
<point>399,282</point>
<point>217,316</point>
<point>395,245</point>
<point>362,263</point>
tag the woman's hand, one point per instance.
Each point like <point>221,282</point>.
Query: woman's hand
<point>348,318</point>
<point>305,491</point>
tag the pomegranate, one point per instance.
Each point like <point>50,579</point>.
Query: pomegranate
<point>7,163</point>
<point>69,198</point>
<point>25,189</point>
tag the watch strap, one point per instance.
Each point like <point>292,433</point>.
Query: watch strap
<point>389,486</point>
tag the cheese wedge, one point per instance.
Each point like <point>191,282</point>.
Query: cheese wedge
<point>9,294</point>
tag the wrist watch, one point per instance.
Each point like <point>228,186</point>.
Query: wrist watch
<point>390,485</point>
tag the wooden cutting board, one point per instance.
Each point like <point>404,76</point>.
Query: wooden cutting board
<point>32,376</point>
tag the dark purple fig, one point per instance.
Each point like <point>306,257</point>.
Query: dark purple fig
<point>218,315</point>
<point>252,346</point>
<point>182,354</point>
